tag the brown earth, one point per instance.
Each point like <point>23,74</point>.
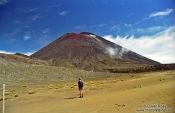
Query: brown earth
<point>20,58</point>
<point>124,94</point>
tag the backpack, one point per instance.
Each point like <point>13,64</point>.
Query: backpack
<point>80,83</point>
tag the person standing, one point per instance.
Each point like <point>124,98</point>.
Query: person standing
<point>80,87</point>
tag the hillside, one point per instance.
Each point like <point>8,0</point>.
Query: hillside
<point>17,73</point>
<point>20,58</point>
<point>90,52</point>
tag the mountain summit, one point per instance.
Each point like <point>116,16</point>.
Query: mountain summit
<point>90,52</point>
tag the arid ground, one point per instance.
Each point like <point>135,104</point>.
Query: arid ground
<point>130,93</point>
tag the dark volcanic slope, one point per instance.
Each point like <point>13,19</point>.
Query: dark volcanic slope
<point>89,51</point>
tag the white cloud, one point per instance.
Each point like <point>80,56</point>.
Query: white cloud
<point>44,40</point>
<point>46,30</point>
<point>159,47</point>
<point>17,22</point>
<point>128,25</point>
<point>113,52</point>
<point>2,2</point>
<point>115,27</point>
<point>62,13</point>
<point>6,52</point>
<point>154,14</point>
<point>29,10</point>
<point>35,17</point>
<point>12,33</point>
<point>25,53</point>
<point>101,25</point>
<point>161,13</point>
<point>80,27</point>
<point>150,29</point>
<point>29,53</point>
<point>27,37</point>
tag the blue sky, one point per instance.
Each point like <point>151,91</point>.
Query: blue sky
<point>28,25</point>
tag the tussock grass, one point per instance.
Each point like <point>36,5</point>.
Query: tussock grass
<point>13,73</point>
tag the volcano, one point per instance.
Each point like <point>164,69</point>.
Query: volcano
<point>90,52</point>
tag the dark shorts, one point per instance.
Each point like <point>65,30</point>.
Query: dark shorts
<point>80,88</point>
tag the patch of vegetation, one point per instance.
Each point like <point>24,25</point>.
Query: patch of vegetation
<point>14,73</point>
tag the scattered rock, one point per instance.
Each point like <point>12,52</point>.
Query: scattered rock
<point>56,87</point>
<point>140,86</point>
<point>12,90</point>
<point>114,81</point>
<point>24,86</point>
<point>120,105</point>
<point>16,95</point>
<point>6,98</point>
<point>102,83</point>
<point>8,92</point>
<point>1,98</point>
<point>51,86</point>
<point>31,92</point>
<point>132,76</point>
<point>162,79</point>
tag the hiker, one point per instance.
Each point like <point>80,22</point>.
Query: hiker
<point>80,87</point>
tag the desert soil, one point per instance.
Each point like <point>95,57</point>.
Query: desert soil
<point>146,92</point>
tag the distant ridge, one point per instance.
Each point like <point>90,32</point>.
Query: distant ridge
<point>21,58</point>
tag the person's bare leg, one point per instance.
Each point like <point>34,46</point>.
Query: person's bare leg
<point>80,93</point>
